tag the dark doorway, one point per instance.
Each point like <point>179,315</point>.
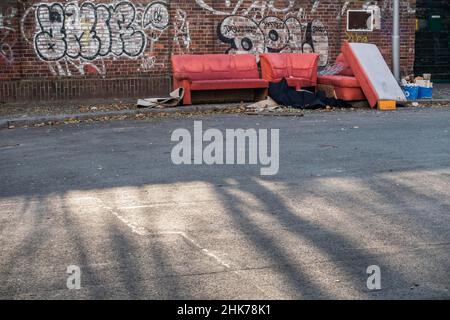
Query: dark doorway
<point>433,39</point>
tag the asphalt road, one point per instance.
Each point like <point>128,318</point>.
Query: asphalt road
<point>355,189</point>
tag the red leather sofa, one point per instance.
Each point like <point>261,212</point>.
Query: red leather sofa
<point>217,72</point>
<point>346,86</point>
<point>299,69</point>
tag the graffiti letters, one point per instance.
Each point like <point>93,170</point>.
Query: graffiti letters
<point>78,34</point>
<point>156,15</point>
<point>242,33</point>
<point>270,26</point>
<point>8,38</point>
<point>256,5</point>
<point>90,31</point>
<point>182,37</point>
<point>273,34</point>
<point>352,37</point>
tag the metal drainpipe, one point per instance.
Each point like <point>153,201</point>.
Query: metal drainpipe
<point>396,40</point>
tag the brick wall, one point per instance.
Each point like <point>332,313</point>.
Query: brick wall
<point>75,50</point>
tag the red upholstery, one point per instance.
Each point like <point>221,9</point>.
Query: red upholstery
<point>228,84</point>
<point>347,69</point>
<point>299,69</point>
<point>215,72</point>
<point>349,94</point>
<point>366,86</point>
<point>339,81</point>
<point>298,83</point>
<point>346,86</point>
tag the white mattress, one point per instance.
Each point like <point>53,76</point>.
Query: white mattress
<point>378,72</point>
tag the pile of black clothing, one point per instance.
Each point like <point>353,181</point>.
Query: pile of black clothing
<point>287,96</point>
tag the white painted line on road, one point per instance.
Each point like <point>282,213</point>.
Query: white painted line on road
<point>143,232</point>
<point>211,255</point>
<point>196,245</point>
<point>136,229</point>
<point>163,204</point>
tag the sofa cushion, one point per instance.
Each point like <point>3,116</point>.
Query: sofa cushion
<point>217,63</point>
<point>347,71</point>
<point>245,62</point>
<point>349,94</point>
<point>214,67</point>
<point>187,64</point>
<point>229,84</point>
<point>339,81</point>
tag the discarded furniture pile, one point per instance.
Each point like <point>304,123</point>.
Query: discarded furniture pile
<point>362,75</point>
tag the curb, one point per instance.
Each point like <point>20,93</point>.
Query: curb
<point>30,121</point>
<point>431,101</point>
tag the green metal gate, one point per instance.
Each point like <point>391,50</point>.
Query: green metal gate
<point>433,39</point>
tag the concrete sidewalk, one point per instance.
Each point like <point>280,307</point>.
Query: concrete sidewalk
<point>441,92</point>
<point>127,110</point>
<point>126,114</point>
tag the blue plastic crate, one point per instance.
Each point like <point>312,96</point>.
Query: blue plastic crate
<point>425,93</point>
<point>411,92</point>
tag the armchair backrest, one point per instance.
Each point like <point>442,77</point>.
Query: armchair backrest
<point>276,66</point>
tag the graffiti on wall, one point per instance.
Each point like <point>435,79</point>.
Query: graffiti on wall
<point>258,6</point>
<point>182,35</point>
<point>387,6</point>
<point>80,36</point>
<point>8,38</point>
<point>354,37</point>
<point>405,6</point>
<point>266,26</point>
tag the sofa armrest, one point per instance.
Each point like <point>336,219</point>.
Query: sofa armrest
<point>180,82</point>
<point>180,76</point>
<point>315,70</point>
<point>266,69</point>
<point>187,99</point>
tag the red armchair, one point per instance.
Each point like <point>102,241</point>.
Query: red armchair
<point>213,72</point>
<point>346,86</point>
<point>299,69</point>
